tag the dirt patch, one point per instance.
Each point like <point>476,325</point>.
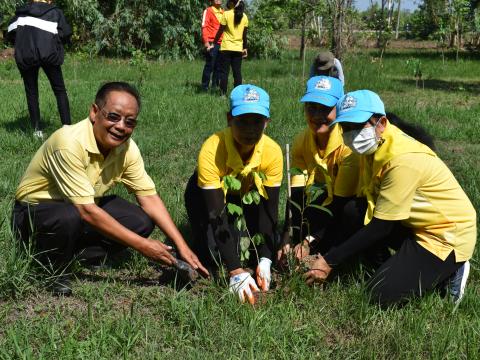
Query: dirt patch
<point>7,54</point>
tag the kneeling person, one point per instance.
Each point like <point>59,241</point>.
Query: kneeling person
<point>243,151</point>
<point>61,202</point>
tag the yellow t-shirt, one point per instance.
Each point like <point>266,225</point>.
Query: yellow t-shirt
<point>337,167</point>
<point>69,166</point>
<point>232,35</point>
<point>418,189</point>
<point>214,160</point>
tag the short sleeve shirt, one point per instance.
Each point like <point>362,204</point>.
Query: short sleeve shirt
<point>212,163</point>
<point>421,192</point>
<point>69,167</point>
<point>339,163</point>
<point>232,34</point>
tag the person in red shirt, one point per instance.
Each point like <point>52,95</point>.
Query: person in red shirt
<point>210,24</point>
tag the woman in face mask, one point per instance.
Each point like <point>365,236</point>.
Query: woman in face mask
<point>415,206</point>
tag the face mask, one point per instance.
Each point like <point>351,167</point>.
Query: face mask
<point>363,141</point>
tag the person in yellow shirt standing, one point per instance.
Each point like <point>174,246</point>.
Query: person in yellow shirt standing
<point>415,205</point>
<point>319,152</point>
<point>61,202</point>
<point>244,152</point>
<point>233,26</point>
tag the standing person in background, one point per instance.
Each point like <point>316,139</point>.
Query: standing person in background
<point>326,64</point>
<point>38,30</point>
<point>210,25</point>
<point>233,26</point>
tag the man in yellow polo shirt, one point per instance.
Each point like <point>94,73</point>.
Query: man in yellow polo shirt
<point>413,198</point>
<point>61,200</point>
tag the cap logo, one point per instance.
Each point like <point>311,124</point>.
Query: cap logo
<point>348,103</point>
<point>251,95</point>
<point>323,84</point>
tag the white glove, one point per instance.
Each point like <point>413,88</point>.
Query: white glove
<point>264,275</point>
<point>243,284</point>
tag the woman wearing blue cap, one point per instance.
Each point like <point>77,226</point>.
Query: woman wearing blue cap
<point>241,151</point>
<point>415,205</point>
<point>319,152</point>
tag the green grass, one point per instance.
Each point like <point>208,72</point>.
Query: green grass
<point>126,313</point>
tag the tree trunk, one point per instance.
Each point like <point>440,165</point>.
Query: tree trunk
<point>302,39</point>
<point>398,20</point>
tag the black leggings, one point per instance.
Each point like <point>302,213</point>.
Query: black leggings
<point>227,59</point>
<point>59,234</point>
<point>55,76</point>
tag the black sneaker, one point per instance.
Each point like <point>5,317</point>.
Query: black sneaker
<point>457,282</point>
<point>61,285</point>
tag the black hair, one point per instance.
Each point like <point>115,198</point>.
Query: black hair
<point>107,88</point>
<point>238,9</point>
<point>332,72</point>
<point>415,131</point>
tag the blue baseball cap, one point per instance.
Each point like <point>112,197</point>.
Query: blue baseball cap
<point>249,99</point>
<point>358,106</point>
<point>325,90</point>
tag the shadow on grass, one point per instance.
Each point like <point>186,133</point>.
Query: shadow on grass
<point>196,88</point>
<point>443,85</point>
<point>22,124</point>
<point>167,278</point>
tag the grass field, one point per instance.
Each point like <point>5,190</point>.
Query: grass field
<point>127,313</point>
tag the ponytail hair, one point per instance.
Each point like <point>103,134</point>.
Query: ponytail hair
<point>415,131</point>
<point>238,10</point>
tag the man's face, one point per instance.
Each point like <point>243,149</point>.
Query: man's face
<point>319,117</point>
<point>247,129</point>
<point>217,3</point>
<point>113,124</point>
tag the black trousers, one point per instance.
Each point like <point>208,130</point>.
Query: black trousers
<point>55,76</point>
<point>58,234</point>
<point>211,68</point>
<point>226,60</point>
<point>411,271</point>
<point>206,243</point>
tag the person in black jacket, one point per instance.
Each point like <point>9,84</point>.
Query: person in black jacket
<point>38,30</point>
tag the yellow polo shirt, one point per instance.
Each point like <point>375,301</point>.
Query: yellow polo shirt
<point>337,167</point>
<point>418,189</point>
<point>214,158</point>
<point>69,167</point>
<point>232,35</point>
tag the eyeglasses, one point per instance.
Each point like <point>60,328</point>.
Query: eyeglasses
<point>115,118</point>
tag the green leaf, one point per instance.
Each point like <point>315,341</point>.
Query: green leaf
<point>240,223</point>
<point>231,183</point>
<point>258,239</point>
<point>234,209</point>
<point>255,196</point>
<point>244,255</point>
<point>323,208</point>
<point>295,204</point>
<point>296,171</point>
<point>262,175</point>
<point>244,243</point>
<point>247,198</point>
<point>314,191</point>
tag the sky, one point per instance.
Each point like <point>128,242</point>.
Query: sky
<point>406,4</point>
